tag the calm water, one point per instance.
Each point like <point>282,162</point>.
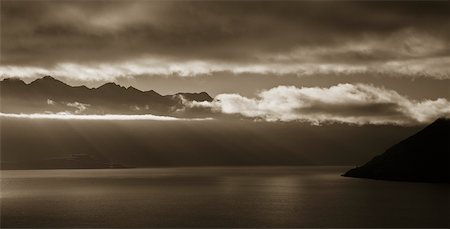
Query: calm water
<point>216,197</point>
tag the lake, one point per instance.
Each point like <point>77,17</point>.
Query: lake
<point>216,197</point>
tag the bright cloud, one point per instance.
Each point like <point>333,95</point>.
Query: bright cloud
<point>50,102</point>
<point>69,116</point>
<point>437,68</point>
<point>80,107</point>
<point>344,103</point>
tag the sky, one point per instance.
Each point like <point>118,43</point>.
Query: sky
<point>357,62</point>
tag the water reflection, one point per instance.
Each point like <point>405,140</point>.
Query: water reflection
<point>216,197</point>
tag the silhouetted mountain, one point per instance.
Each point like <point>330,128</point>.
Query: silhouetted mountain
<point>50,95</point>
<point>423,157</point>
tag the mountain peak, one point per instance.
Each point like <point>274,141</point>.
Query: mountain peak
<point>131,88</point>
<point>199,97</point>
<point>48,78</point>
<point>48,81</point>
<point>12,80</point>
<point>110,85</point>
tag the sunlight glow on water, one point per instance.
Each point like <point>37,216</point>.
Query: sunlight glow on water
<point>216,197</point>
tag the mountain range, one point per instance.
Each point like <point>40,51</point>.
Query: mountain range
<point>422,157</point>
<point>49,95</point>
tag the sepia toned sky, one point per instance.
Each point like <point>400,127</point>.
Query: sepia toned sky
<point>243,48</point>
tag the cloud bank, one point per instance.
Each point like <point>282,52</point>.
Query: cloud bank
<point>105,40</point>
<point>436,68</point>
<point>344,103</point>
<point>358,104</point>
<point>113,117</point>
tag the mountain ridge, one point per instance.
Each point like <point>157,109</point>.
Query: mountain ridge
<point>48,94</point>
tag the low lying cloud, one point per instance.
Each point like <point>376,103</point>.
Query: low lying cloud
<point>70,116</point>
<point>436,68</point>
<point>50,102</point>
<point>344,103</point>
<point>80,107</point>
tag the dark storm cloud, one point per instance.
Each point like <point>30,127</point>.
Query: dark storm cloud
<point>126,38</point>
